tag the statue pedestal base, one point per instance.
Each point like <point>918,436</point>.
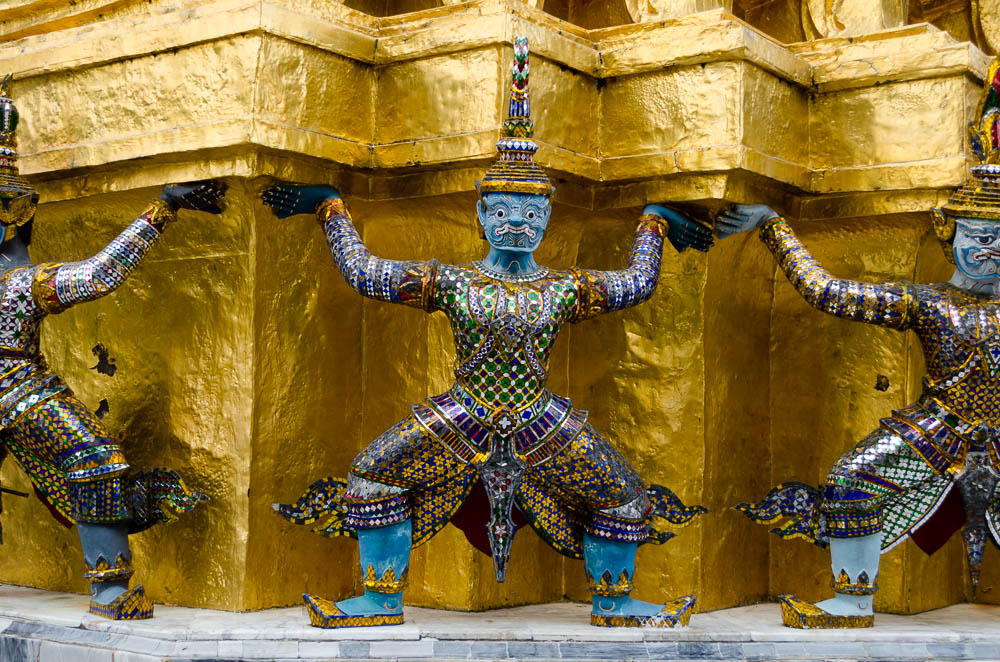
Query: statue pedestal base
<point>45,626</point>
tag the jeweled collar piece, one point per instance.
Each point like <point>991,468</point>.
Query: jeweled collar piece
<point>538,274</point>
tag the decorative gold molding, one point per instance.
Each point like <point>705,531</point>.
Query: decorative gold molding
<point>387,583</point>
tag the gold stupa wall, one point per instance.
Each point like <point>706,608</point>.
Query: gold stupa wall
<point>244,361</point>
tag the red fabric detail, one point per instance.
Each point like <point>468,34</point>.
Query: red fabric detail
<point>52,509</point>
<point>474,515</point>
<point>946,520</point>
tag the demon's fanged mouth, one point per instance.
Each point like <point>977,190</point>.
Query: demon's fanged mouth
<point>507,228</point>
<point>984,254</point>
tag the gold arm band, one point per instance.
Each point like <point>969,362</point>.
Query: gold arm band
<point>160,213</point>
<point>332,207</point>
<point>43,288</point>
<point>652,221</point>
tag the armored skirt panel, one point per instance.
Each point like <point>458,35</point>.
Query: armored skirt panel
<point>498,424</point>
<point>896,478</point>
<point>60,444</point>
<point>71,459</point>
<point>559,493</point>
<point>504,331</point>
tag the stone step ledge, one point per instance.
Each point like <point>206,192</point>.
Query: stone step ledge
<point>46,626</point>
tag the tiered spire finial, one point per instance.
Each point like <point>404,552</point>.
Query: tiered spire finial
<point>980,197</point>
<point>19,198</point>
<point>515,171</point>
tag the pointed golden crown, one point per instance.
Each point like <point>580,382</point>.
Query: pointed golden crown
<point>515,171</point>
<point>980,196</point>
<point>18,206</point>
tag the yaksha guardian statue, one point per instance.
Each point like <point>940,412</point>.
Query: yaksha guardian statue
<point>77,468</point>
<point>498,425</point>
<point>930,467</point>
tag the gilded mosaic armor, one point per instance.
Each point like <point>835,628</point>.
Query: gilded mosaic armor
<point>63,447</point>
<point>504,330</point>
<point>498,441</point>
<point>897,476</point>
<point>930,468</point>
<point>925,463</point>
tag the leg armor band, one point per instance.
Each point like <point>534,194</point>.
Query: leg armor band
<point>388,582</point>
<point>863,586</point>
<point>375,514</point>
<point>609,527</point>
<point>98,501</point>
<point>103,571</point>
<point>853,524</point>
<point>607,586</point>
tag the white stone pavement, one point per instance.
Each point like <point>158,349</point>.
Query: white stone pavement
<point>45,626</point>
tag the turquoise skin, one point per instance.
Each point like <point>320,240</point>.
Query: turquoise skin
<point>976,248</point>
<point>287,200</point>
<point>513,224</point>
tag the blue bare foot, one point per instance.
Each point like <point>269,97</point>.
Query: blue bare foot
<point>105,594</point>
<point>371,604</point>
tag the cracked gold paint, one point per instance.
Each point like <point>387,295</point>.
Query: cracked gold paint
<point>316,111</point>
<point>855,128</point>
<point>677,109</point>
<point>465,87</point>
<point>246,362</point>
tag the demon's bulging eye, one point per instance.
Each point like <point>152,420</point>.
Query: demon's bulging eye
<point>985,240</point>
<point>499,213</point>
<point>530,215</point>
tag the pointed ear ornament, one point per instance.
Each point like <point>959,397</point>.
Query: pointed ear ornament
<point>944,230</point>
<point>944,225</point>
<point>17,211</point>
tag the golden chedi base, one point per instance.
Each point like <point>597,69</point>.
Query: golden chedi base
<point>244,361</point>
